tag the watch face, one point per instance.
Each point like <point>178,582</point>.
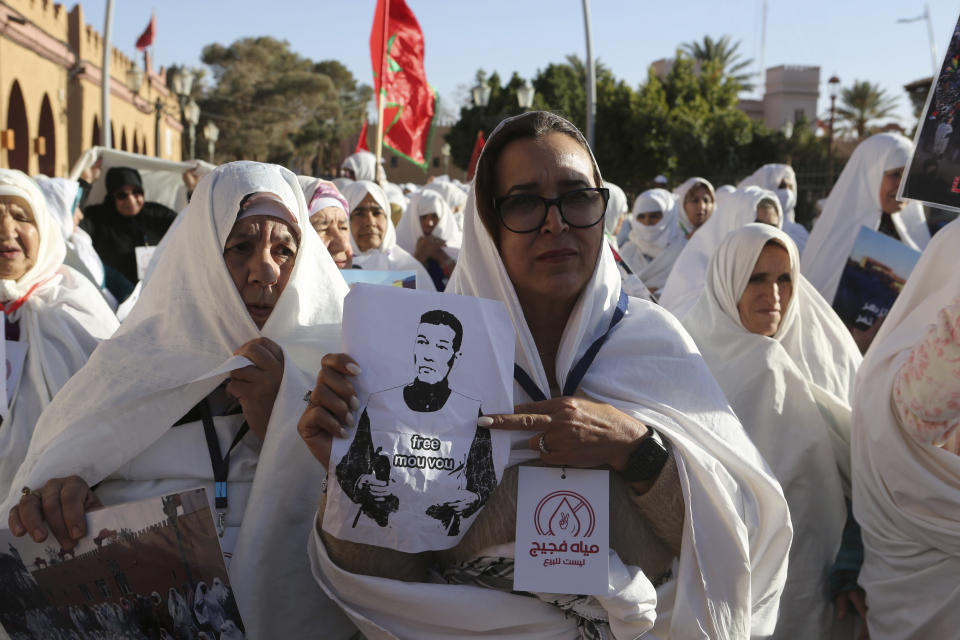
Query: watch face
<point>646,461</point>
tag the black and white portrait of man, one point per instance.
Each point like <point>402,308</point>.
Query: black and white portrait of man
<point>455,479</point>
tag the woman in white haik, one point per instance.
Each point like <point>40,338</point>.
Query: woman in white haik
<point>782,180</point>
<point>696,202</point>
<point>655,238</point>
<point>428,231</point>
<point>455,196</point>
<point>865,195</point>
<point>238,277</point>
<point>736,209</point>
<point>906,467</point>
<point>52,310</point>
<point>786,364</point>
<point>731,544</point>
<point>373,236</point>
<point>361,165</point>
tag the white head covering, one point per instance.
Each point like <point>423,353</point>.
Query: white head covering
<point>906,493</point>
<point>364,166</point>
<point>62,320</point>
<point>681,196</point>
<point>792,393</point>
<point>769,177</point>
<point>455,196</point>
<point>188,322</point>
<point>854,202</point>
<point>652,249</point>
<point>423,203</point>
<point>733,211</point>
<point>395,195</point>
<point>736,531</point>
<point>388,256</point>
<point>617,205</point>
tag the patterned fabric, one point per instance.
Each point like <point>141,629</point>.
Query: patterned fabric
<point>926,391</point>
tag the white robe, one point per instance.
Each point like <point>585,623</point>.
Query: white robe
<point>769,177</point>
<point>736,530</point>
<point>111,420</point>
<point>906,494</point>
<point>652,250</point>
<point>854,202</point>
<point>792,393</point>
<point>425,202</point>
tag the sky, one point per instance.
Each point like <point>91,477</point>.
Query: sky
<point>853,39</point>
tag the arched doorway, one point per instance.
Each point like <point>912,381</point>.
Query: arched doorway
<point>19,156</point>
<point>113,136</point>
<point>96,141</point>
<point>123,139</point>
<point>136,143</point>
<point>46,129</point>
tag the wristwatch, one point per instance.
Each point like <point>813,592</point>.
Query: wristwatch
<point>647,460</point>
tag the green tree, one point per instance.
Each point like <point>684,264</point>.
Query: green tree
<point>862,103</point>
<point>724,53</point>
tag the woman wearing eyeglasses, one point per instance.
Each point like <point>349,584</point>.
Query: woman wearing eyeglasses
<point>373,236</point>
<point>123,222</point>
<point>699,529</point>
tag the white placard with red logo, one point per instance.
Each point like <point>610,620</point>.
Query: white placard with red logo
<point>563,531</point>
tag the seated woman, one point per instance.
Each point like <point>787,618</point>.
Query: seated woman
<point>738,208</point>
<point>782,180</point>
<point>786,364</point>
<point>906,467</point>
<point>52,313</point>
<point>865,195</point>
<point>618,208</point>
<point>696,201</point>
<point>683,472</point>
<point>373,236</point>
<point>328,215</point>
<point>455,196</point>
<point>428,231</point>
<point>238,276</point>
<point>655,238</point>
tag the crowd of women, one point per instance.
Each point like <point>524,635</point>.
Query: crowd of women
<point>801,491</point>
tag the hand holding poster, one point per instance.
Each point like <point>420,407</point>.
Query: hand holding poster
<point>417,469</point>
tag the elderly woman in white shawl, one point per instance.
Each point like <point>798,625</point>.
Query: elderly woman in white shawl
<point>782,180</point>
<point>54,317</point>
<point>655,238</point>
<point>705,522</point>
<point>428,231</point>
<point>455,196</point>
<point>373,236</point>
<point>786,364</point>
<point>865,195</point>
<point>696,201</point>
<point>327,209</point>
<point>741,207</point>
<point>906,467</point>
<point>243,290</point>
<point>362,165</point>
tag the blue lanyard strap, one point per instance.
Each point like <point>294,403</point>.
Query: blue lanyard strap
<point>580,369</point>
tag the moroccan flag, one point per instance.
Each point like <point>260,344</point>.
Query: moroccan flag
<point>362,140</point>
<point>410,101</point>
<point>146,38</point>
<point>475,155</point>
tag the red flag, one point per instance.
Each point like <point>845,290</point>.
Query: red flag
<point>477,148</point>
<point>410,101</point>
<point>362,140</point>
<point>146,38</point>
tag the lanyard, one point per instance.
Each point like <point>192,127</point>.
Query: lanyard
<point>220,463</point>
<point>580,369</point>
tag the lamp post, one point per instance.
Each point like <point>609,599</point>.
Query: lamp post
<point>134,78</point>
<point>525,95</point>
<point>833,85</point>
<point>181,81</point>
<point>191,113</point>
<point>445,154</point>
<point>481,95</point>
<point>211,132</point>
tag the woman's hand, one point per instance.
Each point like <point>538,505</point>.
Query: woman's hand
<point>256,386</point>
<point>856,598</point>
<point>59,507</point>
<point>576,432</point>
<point>330,405</point>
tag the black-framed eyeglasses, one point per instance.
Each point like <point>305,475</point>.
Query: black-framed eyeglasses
<point>526,212</point>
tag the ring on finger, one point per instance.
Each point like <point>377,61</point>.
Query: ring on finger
<point>543,444</point>
<point>27,491</point>
<point>306,398</point>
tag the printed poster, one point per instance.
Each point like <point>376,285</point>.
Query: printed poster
<point>932,175</point>
<point>416,469</point>
<point>404,279</point>
<point>147,569</point>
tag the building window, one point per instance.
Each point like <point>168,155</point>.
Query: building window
<point>436,163</point>
<point>798,115</point>
<point>104,589</point>
<point>86,593</point>
<point>393,162</point>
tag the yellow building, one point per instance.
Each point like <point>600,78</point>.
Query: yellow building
<point>50,97</point>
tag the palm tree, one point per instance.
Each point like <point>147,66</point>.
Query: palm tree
<point>724,53</point>
<point>862,103</point>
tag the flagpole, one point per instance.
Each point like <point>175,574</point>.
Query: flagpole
<point>381,94</point>
<point>591,80</point>
<point>105,132</point>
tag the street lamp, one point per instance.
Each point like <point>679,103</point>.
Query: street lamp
<point>481,95</point>
<point>833,87</point>
<point>191,113</point>
<point>525,95</point>
<point>211,132</point>
<point>134,78</point>
<point>445,154</point>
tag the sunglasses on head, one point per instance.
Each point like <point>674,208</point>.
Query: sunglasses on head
<point>124,194</point>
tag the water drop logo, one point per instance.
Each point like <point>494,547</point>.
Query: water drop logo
<point>564,513</point>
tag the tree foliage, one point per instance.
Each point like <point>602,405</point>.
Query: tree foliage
<point>724,54</point>
<point>274,105</point>
<point>862,103</point>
